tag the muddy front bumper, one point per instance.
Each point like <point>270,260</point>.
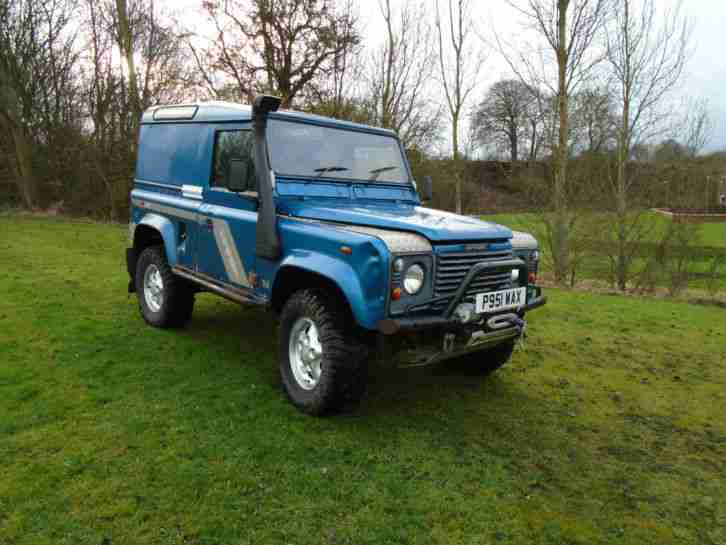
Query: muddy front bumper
<point>535,299</point>
<point>401,325</point>
<point>427,339</point>
<point>417,342</point>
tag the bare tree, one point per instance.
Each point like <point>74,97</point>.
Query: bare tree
<point>36,82</point>
<point>275,45</point>
<point>697,125</point>
<point>459,66</point>
<point>113,105</point>
<point>101,92</point>
<point>126,46</point>
<point>568,30</point>
<point>163,71</point>
<point>670,150</point>
<point>508,118</point>
<point>646,55</point>
<point>399,72</point>
<point>594,121</point>
<point>336,92</point>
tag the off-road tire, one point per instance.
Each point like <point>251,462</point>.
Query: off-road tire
<point>343,377</point>
<point>178,302</point>
<point>485,362</point>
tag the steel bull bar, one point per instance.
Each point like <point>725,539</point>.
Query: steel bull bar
<point>498,323</point>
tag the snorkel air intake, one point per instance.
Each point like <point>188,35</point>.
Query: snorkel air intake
<point>268,240</point>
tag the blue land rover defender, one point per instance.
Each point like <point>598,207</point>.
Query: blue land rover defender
<point>320,221</point>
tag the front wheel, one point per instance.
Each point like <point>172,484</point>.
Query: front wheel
<point>322,363</point>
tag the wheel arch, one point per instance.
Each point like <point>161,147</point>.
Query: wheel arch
<point>292,277</point>
<point>154,230</point>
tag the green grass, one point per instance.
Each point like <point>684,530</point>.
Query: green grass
<point>713,234</point>
<point>608,427</point>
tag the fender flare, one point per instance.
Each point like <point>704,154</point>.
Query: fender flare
<point>166,229</point>
<point>333,270</point>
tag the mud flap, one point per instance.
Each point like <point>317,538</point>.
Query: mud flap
<point>131,268</point>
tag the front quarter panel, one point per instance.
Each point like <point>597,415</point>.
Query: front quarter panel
<point>361,275</point>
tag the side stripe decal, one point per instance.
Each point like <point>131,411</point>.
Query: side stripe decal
<point>231,259</point>
<point>228,250</point>
<point>170,210</point>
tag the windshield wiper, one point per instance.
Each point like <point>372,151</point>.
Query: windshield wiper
<point>322,170</point>
<point>378,171</point>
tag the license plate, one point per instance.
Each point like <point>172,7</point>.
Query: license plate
<point>500,300</point>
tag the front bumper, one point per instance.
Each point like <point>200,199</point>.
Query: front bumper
<point>442,346</point>
<point>391,326</point>
<point>427,340</point>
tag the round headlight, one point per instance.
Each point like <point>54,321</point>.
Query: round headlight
<point>413,279</point>
<point>535,255</point>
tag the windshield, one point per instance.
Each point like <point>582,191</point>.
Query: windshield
<point>298,149</point>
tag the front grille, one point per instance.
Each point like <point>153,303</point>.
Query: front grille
<point>452,268</point>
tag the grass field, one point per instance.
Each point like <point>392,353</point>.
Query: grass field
<point>608,426</point>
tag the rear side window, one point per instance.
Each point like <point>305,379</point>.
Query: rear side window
<point>234,167</point>
<point>174,153</point>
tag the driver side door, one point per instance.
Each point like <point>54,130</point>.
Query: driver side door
<point>228,216</point>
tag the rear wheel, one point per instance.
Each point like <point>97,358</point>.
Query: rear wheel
<point>322,362</point>
<point>165,300</point>
<point>487,361</point>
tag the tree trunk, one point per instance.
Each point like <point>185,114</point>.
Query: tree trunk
<point>26,181</point>
<point>513,144</point>
<point>621,195</point>
<point>621,183</point>
<point>560,235</point>
<point>622,267</point>
<point>127,49</point>
<point>457,187</point>
<point>457,169</point>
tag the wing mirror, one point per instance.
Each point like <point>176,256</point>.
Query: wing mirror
<point>427,191</point>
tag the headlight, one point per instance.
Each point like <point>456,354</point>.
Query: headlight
<point>413,279</point>
<point>535,255</point>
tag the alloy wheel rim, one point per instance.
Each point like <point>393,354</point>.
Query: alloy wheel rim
<point>305,353</point>
<point>153,288</point>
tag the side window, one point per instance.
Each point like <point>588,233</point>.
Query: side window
<point>234,167</point>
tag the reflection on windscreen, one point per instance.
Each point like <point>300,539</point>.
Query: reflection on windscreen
<point>319,152</point>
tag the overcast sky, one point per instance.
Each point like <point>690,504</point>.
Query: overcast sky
<point>705,77</point>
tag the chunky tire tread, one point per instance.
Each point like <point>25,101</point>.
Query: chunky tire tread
<point>344,369</point>
<point>178,295</point>
<point>486,361</point>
